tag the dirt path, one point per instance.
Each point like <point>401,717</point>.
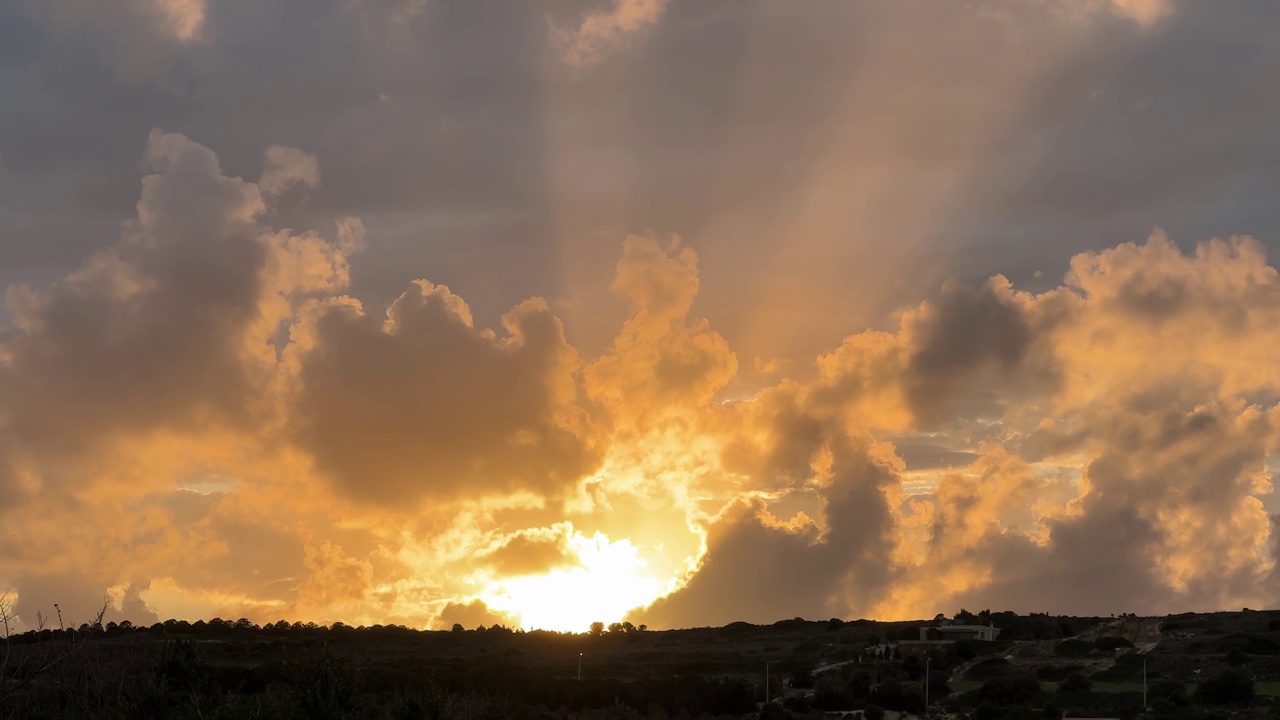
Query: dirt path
<point>1144,633</point>
<point>1148,636</point>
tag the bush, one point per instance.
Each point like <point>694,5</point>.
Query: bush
<point>1057,673</point>
<point>798,704</point>
<point>773,711</point>
<point>1110,644</point>
<point>963,650</point>
<point>1075,683</point>
<point>1259,645</point>
<point>987,669</point>
<point>802,678</point>
<point>1169,691</point>
<point>1127,668</point>
<point>1237,657</point>
<point>894,695</point>
<point>1229,687</point>
<point>988,711</point>
<point>1005,691</point>
<point>913,667</point>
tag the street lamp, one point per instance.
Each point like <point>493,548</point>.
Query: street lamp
<point>579,667</point>
<point>926,685</point>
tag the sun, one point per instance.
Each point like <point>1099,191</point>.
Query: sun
<point>609,580</point>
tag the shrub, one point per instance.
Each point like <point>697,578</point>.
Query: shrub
<point>1236,656</point>
<point>1007,691</point>
<point>1228,687</point>
<point>1258,645</point>
<point>1075,683</point>
<point>802,678</point>
<point>987,669</point>
<point>1170,691</point>
<point>1110,644</point>
<point>1057,673</point>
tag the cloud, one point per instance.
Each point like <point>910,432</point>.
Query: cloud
<point>661,362</point>
<point>284,168</point>
<point>425,405</point>
<point>1144,12</point>
<point>759,567</point>
<point>1112,453</point>
<point>471,615</point>
<point>202,418</point>
<point>530,552</point>
<point>183,18</point>
<point>152,363</point>
<point>601,32</point>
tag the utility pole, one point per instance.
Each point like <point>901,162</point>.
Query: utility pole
<point>926,686</point>
<point>1144,687</point>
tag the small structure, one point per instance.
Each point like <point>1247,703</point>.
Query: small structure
<point>950,632</point>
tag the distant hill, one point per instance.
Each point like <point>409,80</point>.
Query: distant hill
<point>1196,666</point>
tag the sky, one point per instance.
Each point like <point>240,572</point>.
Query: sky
<point>682,312</point>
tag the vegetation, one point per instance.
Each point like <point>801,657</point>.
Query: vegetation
<point>236,669</point>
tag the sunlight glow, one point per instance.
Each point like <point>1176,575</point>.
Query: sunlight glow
<point>609,581</point>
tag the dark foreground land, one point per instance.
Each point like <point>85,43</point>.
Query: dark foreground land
<point>1223,665</point>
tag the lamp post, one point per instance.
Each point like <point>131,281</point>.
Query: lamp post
<point>579,667</point>
<point>766,683</point>
<point>926,685</point>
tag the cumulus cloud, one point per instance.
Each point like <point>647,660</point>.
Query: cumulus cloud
<point>424,404</point>
<point>150,367</point>
<point>202,419</point>
<point>530,552</point>
<point>1112,452</point>
<point>284,168</point>
<point>661,362</point>
<point>601,31</point>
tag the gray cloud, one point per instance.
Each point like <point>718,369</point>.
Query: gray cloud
<point>458,159</point>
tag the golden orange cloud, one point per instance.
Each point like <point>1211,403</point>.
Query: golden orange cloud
<point>201,420</point>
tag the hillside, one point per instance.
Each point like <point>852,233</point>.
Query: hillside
<point>1040,666</point>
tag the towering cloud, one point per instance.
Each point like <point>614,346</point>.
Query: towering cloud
<point>429,366</point>
<point>424,404</point>
<point>1111,454</point>
<point>204,388</point>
